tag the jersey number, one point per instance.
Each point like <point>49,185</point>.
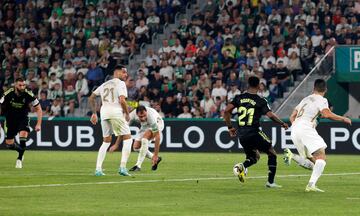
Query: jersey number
<point>301,111</point>
<point>107,91</point>
<point>243,112</point>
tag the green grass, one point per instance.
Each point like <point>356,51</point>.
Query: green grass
<point>199,195</point>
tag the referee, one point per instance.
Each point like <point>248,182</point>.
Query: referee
<point>15,106</point>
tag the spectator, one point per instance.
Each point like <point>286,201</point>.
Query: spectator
<point>81,87</point>
<point>133,91</point>
<point>45,103</point>
<point>56,109</point>
<point>207,102</point>
<point>185,113</point>
<point>141,80</point>
<point>169,107</point>
<point>94,75</point>
<point>232,92</point>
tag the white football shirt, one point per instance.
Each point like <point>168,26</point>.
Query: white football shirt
<point>153,119</point>
<point>310,108</point>
<point>110,92</point>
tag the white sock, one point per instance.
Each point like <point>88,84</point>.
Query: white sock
<point>303,162</point>
<point>125,152</point>
<point>143,151</point>
<point>101,155</point>
<point>317,171</point>
<point>149,154</point>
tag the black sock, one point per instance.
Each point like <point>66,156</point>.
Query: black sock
<point>13,146</point>
<point>272,168</point>
<point>249,162</point>
<point>23,147</point>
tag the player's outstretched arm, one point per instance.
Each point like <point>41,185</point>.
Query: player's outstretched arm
<point>227,119</point>
<point>326,113</point>
<point>92,104</point>
<point>276,119</point>
<point>293,116</point>
<point>39,117</point>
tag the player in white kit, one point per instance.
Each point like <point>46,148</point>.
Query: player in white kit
<point>152,125</point>
<point>114,117</point>
<point>308,142</point>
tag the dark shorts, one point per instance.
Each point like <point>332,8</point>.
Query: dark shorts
<point>14,125</point>
<point>257,141</point>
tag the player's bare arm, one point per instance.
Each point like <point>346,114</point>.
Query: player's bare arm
<point>326,113</point>
<point>227,118</point>
<point>123,104</point>
<point>157,147</point>
<point>92,103</point>
<point>116,144</point>
<point>39,117</point>
<point>293,116</point>
<point>276,119</point>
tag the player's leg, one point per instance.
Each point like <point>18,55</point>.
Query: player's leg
<point>136,148</point>
<point>23,137</point>
<point>122,129</point>
<point>252,156</point>
<point>11,130</point>
<point>301,158</point>
<point>315,148</point>
<point>320,163</point>
<point>263,144</point>
<point>147,135</point>
<point>107,133</point>
<point>272,166</point>
<point>125,154</point>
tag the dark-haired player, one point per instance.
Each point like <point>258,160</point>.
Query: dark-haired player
<point>152,125</point>
<point>308,142</point>
<point>250,107</point>
<point>114,117</point>
<point>15,106</point>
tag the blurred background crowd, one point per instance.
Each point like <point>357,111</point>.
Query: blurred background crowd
<point>65,49</point>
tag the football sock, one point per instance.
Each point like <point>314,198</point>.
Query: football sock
<point>272,168</point>
<point>303,162</point>
<point>101,155</point>
<point>23,147</point>
<point>317,171</point>
<point>14,146</point>
<point>143,151</point>
<point>249,162</point>
<point>149,154</point>
<point>125,153</point>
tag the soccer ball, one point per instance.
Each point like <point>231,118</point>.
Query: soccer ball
<point>236,169</point>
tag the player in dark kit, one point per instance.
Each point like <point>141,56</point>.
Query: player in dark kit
<point>15,106</point>
<point>250,107</point>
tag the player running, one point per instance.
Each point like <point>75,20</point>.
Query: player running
<point>308,142</point>
<point>250,107</point>
<point>15,106</point>
<point>152,125</point>
<point>114,117</point>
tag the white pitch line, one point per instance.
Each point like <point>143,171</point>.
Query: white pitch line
<point>164,180</point>
<point>353,198</point>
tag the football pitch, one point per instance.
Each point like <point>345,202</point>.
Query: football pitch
<point>62,183</point>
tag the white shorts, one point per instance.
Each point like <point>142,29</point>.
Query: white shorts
<point>307,140</point>
<point>116,126</point>
<point>142,130</point>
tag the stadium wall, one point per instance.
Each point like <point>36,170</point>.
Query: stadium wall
<point>180,135</point>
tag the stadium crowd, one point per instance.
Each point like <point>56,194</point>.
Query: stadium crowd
<point>65,49</point>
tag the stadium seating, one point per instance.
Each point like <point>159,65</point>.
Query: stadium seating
<point>179,52</point>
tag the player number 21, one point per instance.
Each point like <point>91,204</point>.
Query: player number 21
<point>107,91</point>
<point>243,112</point>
